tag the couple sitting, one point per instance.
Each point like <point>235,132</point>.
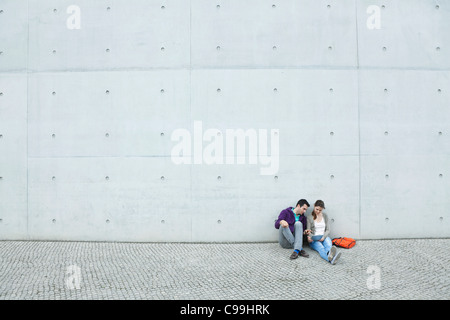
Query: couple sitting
<point>293,225</point>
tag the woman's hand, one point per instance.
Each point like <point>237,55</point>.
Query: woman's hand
<point>309,240</point>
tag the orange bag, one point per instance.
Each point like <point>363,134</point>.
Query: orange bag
<point>344,242</point>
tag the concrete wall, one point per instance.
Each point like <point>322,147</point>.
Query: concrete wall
<point>354,93</point>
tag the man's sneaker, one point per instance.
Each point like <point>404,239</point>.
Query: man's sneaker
<point>332,253</point>
<point>304,254</point>
<point>336,258</point>
<point>294,255</point>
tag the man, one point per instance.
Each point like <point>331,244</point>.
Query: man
<point>292,225</point>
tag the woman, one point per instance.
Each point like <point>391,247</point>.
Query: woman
<point>318,228</point>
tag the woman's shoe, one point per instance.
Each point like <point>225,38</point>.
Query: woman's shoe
<point>332,253</point>
<point>336,258</point>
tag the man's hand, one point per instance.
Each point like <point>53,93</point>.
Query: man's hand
<point>284,224</point>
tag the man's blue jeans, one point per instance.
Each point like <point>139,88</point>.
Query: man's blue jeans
<point>322,247</point>
<point>291,241</point>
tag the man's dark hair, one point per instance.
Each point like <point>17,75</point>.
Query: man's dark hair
<point>301,202</point>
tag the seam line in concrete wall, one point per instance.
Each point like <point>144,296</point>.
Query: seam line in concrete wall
<point>359,118</point>
<point>28,96</point>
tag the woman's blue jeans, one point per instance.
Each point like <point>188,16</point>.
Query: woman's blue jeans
<point>321,247</point>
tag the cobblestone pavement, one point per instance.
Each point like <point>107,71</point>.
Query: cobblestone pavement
<point>373,269</point>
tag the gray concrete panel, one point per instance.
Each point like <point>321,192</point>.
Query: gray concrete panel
<point>305,105</point>
<point>409,34</point>
<point>273,34</point>
<point>404,112</point>
<point>106,198</point>
<point>238,202</point>
<point>106,113</point>
<point>13,156</point>
<point>13,35</point>
<point>100,35</point>
<point>404,153</point>
<point>403,195</point>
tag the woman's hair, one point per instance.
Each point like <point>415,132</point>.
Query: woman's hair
<point>318,203</point>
